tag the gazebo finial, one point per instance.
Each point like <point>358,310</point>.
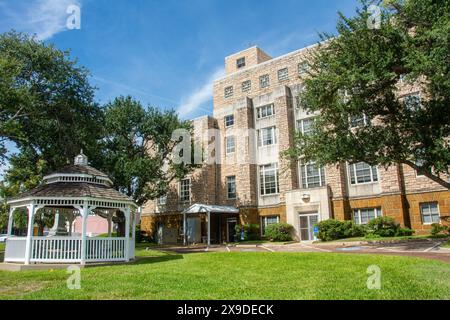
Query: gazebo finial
<point>81,159</point>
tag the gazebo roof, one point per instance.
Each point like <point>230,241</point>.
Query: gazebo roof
<point>74,182</point>
<point>74,190</point>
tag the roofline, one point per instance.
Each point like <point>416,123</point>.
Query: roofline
<point>270,61</point>
<point>83,175</point>
<point>252,47</point>
<point>29,199</point>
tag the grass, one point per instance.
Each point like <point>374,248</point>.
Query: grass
<point>2,246</point>
<point>239,275</point>
<point>446,245</point>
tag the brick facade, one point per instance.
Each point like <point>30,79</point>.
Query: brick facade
<point>398,190</point>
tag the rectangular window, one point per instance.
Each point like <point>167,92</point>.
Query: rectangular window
<point>228,92</point>
<point>283,74</point>
<point>358,121</point>
<point>412,101</point>
<point>229,121</point>
<point>265,111</point>
<point>185,190</point>
<point>230,144</point>
<point>305,126</point>
<point>312,175</point>
<point>268,178</point>
<point>231,187</point>
<point>267,137</point>
<point>264,81</point>
<point>303,68</point>
<point>363,216</point>
<point>240,63</point>
<point>429,212</point>
<point>246,86</point>
<point>361,172</point>
<point>267,221</point>
<point>162,201</point>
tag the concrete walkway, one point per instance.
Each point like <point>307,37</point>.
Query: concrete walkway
<point>426,248</point>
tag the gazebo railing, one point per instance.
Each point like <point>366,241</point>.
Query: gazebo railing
<point>68,249</point>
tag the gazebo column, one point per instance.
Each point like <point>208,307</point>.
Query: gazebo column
<point>209,228</point>
<point>184,229</point>
<point>84,216</point>
<point>31,210</point>
<point>10,220</point>
<point>127,233</point>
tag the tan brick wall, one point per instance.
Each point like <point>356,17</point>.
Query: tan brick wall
<point>274,211</point>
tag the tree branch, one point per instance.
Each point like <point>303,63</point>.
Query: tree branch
<point>428,174</point>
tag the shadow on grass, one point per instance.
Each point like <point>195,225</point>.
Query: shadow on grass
<point>156,259</point>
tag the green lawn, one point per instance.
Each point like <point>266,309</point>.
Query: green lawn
<point>447,244</point>
<point>243,275</point>
<point>2,246</point>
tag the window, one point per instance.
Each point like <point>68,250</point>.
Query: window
<point>246,86</point>
<point>429,212</point>
<point>230,144</point>
<point>265,111</point>
<point>231,187</point>
<point>264,81</point>
<point>312,176</point>
<point>268,178</point>
<point>305,126</point>
<point>240,63</point>
<point>229,120</point>
<point>267,137</point>
<point>363,216</point>
<point>267,221</point>
<point>358,121</point>
<point>412,101</point>
<point>185,190</point>
<point>303,67</point>
<point>162,201</point>
<point>361,172</point>
<point>283,74</point>
<point>228,92</point>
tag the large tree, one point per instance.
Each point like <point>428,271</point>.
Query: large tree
<point>46,102</point>
<point>356,75</point>
<point>138,146</point>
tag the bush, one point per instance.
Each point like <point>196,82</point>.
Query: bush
<point>279,232</point>
<point>334,229</point>
<point>437,228</point>
<point>383,227</point>
<point>251,232</point>
<point>405,232</point>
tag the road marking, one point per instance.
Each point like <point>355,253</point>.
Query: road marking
<point>206,249</point>
<point>228,249</point>
<point>268,249</point>
<point>315,248</point>
<point>429,249</point>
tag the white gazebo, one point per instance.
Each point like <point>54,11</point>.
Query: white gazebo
<point>75,190</point>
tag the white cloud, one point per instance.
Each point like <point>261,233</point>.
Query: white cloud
<point>198,98</point>
<point>45,18</point>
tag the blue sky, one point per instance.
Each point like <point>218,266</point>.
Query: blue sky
<point>167,53</point>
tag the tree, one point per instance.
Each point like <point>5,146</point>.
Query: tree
<point>46,102</point>
<point>354,78</point>
<point>137,149</point>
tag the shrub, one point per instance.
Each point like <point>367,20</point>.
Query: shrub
<point>404,232</point>
<point>334,229</point>
<point>437,228</point>
<point>279,232</point>
<point>251,232</point>
<point>383,227</point>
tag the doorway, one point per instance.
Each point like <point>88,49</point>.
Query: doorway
<point>231,229</point>
<point>307,222</point>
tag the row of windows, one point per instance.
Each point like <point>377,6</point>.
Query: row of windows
<point>264,80</point>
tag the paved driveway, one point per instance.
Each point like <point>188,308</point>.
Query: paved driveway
<point>429,249</point>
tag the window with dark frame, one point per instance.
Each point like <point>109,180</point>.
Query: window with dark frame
<point>240,63</point>
<point>229,120</point>
<point>231,187</point>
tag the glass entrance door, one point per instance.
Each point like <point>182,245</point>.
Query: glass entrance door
<point>307,222</point>
<point>231,230</point>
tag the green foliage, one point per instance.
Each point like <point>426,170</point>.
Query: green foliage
<point>332,229</point>
<point>137,144</point>
<point>405,232</point>
<point>358,72</point>
<point>383,227</point>
<point>279,232</point>
<point>251,232</point>
<point>437,228</point>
